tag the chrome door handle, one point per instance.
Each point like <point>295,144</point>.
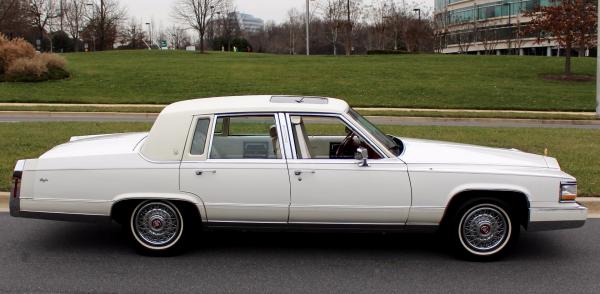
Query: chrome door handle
<point>201,172</point>
<point>299,172</point>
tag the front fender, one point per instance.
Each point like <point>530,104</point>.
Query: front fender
<point>487,187</point>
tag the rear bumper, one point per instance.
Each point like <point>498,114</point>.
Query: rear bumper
<point>566,216</point>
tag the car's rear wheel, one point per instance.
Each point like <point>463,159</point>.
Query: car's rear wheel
<point>157,227</point>
<point>483,229</point>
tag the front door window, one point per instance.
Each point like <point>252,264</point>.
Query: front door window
<point>325,137</point>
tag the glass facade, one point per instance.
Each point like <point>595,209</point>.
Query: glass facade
<point>448,16</point>
<point>488,10</point>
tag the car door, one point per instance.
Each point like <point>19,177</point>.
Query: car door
<point>240,172</point>
<point>329,187</point>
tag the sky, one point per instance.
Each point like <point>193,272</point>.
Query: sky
<point>159,11</point>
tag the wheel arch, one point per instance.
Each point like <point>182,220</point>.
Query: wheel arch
<point>516,198</point>
<point>125,202</point>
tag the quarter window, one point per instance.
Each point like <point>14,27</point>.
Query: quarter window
<point>246,137</point>
<point>199,139</point>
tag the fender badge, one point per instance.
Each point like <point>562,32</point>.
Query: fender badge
<point>43,180</point>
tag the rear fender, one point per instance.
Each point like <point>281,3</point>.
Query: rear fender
<point>164,196</point>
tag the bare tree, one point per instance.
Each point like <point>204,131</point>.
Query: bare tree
<point>42,12</point>
<point>75,14</point>
<point>293,27</point>
<point>106,17</point>
<point>230,26</point>
<point>334,11</point>
<point>377,16</point>
<point>196,14</point>
<point>14,18</point>
<point>133,35</point>
<point>353,13</point>
<point>397,19</point>
<point>178,37</point>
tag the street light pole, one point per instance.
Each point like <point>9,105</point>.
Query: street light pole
<point>348,32</point>
<point>419,26</point>
<point>150,33</point>
<point>307,27</point>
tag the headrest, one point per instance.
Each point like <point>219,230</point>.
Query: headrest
<point>273,131</point>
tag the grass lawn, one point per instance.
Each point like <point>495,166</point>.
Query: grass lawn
<point>576,149</point>
<point>428,81</point>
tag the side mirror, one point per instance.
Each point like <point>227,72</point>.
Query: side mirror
<point>362,154</point>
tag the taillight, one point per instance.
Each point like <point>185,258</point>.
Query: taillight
<point>16,188</point>
<point>16,179</point>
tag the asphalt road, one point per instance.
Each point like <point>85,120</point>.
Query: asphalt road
<point>414,121</point>
<point>44,256</point>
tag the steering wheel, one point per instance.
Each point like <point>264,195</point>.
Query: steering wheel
<point>347,142</point>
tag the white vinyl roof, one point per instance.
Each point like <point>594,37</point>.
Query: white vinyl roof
<point>167,137</point>
<point>261,103</point>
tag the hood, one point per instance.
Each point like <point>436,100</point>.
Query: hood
<point>97,145</point>
<point>417,151</point>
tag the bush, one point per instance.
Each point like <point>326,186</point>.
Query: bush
<point>27,70</point>
<point>13,50</point>
<point>53,61</point>
<point>20,63</point>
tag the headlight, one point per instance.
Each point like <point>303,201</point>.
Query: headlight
<point>568,191</point>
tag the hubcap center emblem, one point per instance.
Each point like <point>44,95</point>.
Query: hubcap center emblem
<point>156,224</point>
<point>485,229</point>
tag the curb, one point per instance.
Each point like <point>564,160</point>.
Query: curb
<point>592,203</point>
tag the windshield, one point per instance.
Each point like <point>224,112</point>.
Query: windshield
<point>389,142</point>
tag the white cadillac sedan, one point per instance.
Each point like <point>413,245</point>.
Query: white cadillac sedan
<point>293,163</point>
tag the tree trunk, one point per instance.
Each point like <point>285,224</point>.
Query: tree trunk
<point>201,42</point>
<point>568,60</point>
<point>348,38</point>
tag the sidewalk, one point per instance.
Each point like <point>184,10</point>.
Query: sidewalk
<point>592,203</point>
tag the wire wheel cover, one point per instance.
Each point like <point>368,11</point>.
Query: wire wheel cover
<point>157,223</point>
<point>484,228</point>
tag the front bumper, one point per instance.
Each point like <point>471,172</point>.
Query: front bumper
<point>564,216</point>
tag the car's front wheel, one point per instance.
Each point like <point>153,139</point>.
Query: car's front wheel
<point>157,227</point>
<point>483,229</point>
